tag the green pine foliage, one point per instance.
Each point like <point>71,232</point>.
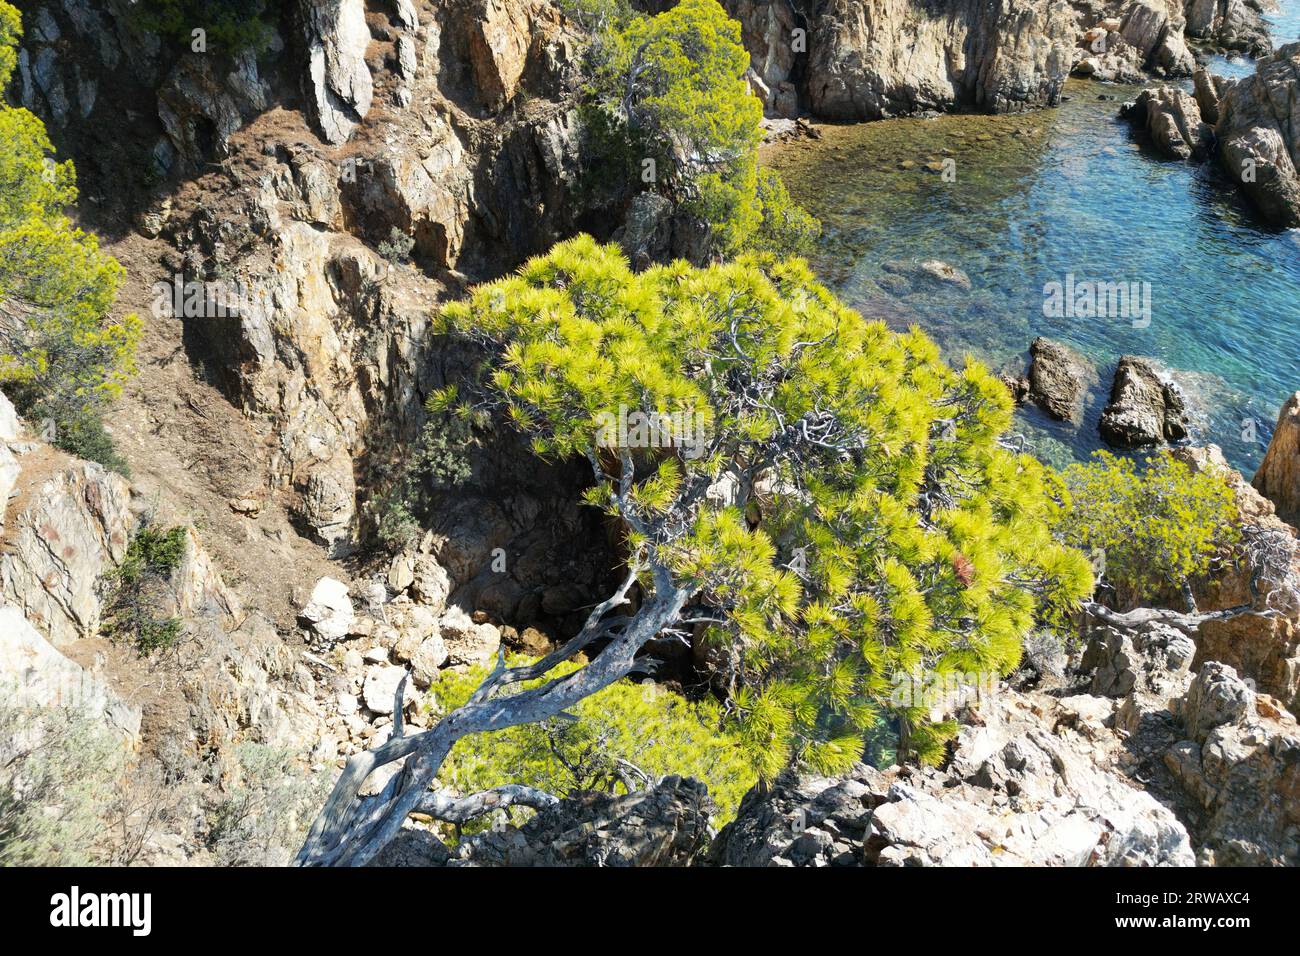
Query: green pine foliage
<point>625,728</point>
<point>140,585</point>
<point>909,539</point>
<point>671,88</point>
<point>1156,525</point>
<point>63,354</point>
<point>231,26</point>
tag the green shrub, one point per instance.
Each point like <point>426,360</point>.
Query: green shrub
<point>58,775</point>
<point>397,247</point>
<point>438,461</point>
<point>232,26</point>
<point>63,354</point>
<point>140,586</point>
<point>624,726</point>
<point>1154,526</point>
<point>261,816</point>
<point>671,88</point>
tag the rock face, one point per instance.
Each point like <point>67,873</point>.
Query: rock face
<point>339,86</point>
<point>768,34</point>
<point>1229,25</point>
<point>33,673</point>
<point>1059,378</point>
<point>1145,407</point>
<point>1172,120</point>
<point>893,57</point>
<point>1024,788</point>
<point>1242,765</point>
<point>1257,132</point>
<point>666,825</point>
<point>76,523</point>
<point>1278,475</point>
<point>1263,573</point>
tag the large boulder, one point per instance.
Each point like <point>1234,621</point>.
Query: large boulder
<point>1172,120</point>
<point>1059,378</point>
<point>73,524</point>
<point>1146,407</point>
<point>1241,764</point>
<point>34,674</point>
<point>1259,146</point>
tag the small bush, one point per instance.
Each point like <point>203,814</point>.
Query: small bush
<point>232,26</point>
<point>1155,527</point>
<point>262,817</point>
<point>58,774</point>
<point>141,586</point>
<point>437,462</point>
<point>397,247</point>
<point>623,730</point>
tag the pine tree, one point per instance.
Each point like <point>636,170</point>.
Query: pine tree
<point>832,507</point>
<point>63,354</point>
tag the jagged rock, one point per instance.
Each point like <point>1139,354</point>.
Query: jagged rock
<point>1156,660</point>
<point>1264,648</point>
<point>34,674</point>
<point>500,35</point>
<point>430,584</point>
<point>1258,143</point>
<point>1278,475</point>
<point>646,235</point>
<point>1243,769</point>
<point>75,525</point>
<point>380,688</point>
<point>1146,408</point>
<point>1059,377</point>
<point>340,88</point>
<point>1172,119</point>
<point>1208,88</point>
<point>329,504</point>
<point>9,472</point>
<point>1229,25</point>
<point>892,57</point>
<point>11,426</point>
<point>665,825</point>
<point>1023,788</point>
<point>329,612</point>
<point>427,659</point>
<point>1155,31</point>
<point>767,30</point>
<point>200,109</point>
<point>468,644</point>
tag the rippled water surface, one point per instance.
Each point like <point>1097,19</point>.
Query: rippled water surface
<point>1043,195</point>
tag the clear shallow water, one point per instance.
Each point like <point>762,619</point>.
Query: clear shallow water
<point>1042,195</point>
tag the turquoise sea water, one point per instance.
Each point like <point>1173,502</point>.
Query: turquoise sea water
<point>1043,195</point>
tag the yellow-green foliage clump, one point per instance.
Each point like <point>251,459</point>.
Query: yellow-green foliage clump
<point>1153,526</point>
<point>63,355</point>
<point>897,533</point>
<point>625,728</point>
